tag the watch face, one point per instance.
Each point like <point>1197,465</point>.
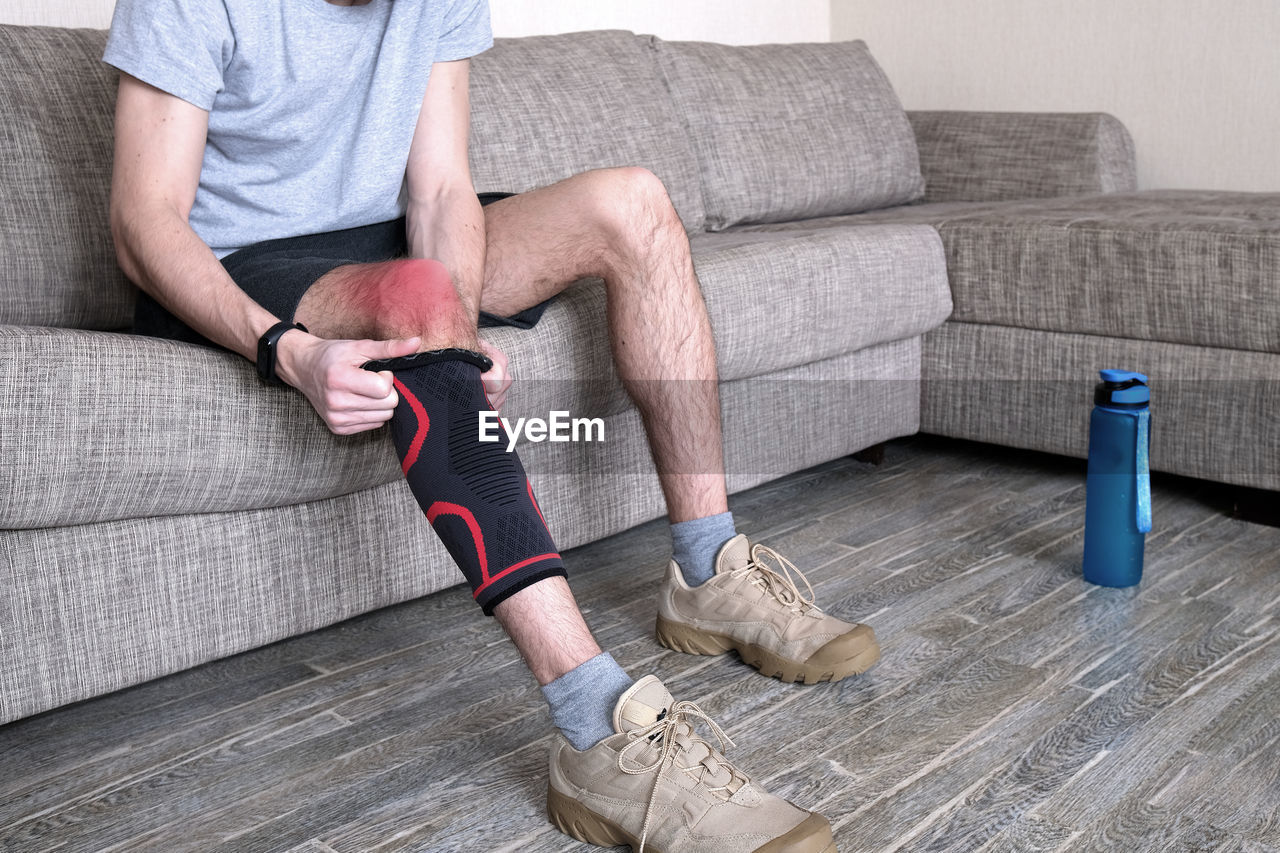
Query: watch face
<point>267,351</point>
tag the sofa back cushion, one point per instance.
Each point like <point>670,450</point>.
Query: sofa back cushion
<point>791,131</point>
<point>547,107</point>
<point>57,264</point>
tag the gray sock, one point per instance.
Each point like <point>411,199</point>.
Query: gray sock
<point>582,700</point>
<point>694,545</point>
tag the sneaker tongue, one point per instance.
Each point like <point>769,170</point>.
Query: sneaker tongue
<point>734,554</point>
<point>641,705</point>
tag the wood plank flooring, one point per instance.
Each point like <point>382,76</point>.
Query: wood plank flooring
<point>1016,708</point>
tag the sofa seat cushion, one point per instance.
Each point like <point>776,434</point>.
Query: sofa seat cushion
<point>782,299</point>
<point>791,131</point>
<point>547,107</point>
<point>97,426</point>
<point>1179,266</point>
<point>776,301</point>
<point>100,426</point>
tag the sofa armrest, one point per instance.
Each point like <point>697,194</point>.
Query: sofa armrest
<point>989,156</point>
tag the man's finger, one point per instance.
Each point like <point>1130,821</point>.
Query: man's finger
<point>495,378</point>
<point>366,425</point>
<point>392,396</point>
<point>388,349</point>
<point>496,400</point>
<point>352,429</point>
<point>366,383</point>
<point>347,402</point>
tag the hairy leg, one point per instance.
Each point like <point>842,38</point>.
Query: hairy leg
<point>545,624</point>
<point>619,225</point>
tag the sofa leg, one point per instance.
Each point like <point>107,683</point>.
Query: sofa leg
<point>1259,506</point>
<point>873,454</point>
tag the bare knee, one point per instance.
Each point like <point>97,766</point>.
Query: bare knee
<point>414,297</point>
<point>633,213</point>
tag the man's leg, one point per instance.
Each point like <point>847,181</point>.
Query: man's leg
<point>619,225</point>
<point>407,298</point>
<point>655,780</point>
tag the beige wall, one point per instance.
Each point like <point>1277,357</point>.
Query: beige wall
<point>1196,81</point>
<point>731,21</point>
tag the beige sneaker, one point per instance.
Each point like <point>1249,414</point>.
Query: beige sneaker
<point>659,787</point>
<point>757,609</point>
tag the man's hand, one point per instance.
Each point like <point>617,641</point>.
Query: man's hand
<point>497,380</point>
<point>347,397</point>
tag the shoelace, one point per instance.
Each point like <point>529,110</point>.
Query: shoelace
<point>675,731</point>
<point>779,584</point>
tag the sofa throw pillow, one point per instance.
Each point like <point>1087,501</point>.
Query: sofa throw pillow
<point>791,131</point>
<point>547,107</point>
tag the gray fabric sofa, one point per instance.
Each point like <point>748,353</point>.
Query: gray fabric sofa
<point>161,508</point>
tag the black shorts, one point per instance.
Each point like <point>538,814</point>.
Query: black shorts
<point>277,273</point>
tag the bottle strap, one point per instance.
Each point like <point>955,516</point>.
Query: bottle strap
<point>1143,472</point>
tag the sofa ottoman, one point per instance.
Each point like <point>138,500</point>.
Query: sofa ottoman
<point>1181,285</point>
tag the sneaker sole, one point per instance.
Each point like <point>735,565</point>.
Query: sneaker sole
<point>695,641</point>
<point>571,817</point>
<point>581,823</point>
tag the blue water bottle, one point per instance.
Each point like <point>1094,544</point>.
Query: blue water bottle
<point>1117,504</point>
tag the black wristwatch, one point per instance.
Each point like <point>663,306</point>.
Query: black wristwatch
<point>267,351</point>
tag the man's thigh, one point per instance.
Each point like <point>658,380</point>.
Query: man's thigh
<point>370,285</point>
<point>537,243</point>
<point>541,241</point>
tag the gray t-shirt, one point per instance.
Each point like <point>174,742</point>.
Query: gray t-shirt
<point>311,106</point>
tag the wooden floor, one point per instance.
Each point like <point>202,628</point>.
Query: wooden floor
<point>1016,707</point>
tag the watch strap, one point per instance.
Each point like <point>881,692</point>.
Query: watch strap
<point>267,350</point>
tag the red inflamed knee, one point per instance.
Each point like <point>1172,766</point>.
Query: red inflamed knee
<point>409,297</point>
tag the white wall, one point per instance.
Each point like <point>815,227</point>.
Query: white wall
<point>728,21</point>
<point>57,13</point>
<point>1196,81</point>
<point>731,21</point>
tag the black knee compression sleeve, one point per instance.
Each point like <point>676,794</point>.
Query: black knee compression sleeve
<point>475,494</point>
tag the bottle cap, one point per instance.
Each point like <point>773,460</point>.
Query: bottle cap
<point>1122,389</point>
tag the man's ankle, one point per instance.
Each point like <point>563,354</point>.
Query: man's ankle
<point>582,700</point>
<point>694,545</point>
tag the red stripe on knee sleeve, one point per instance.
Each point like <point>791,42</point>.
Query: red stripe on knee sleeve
<point>440,508</point>
<point>534,501</point>
<point>424,424</point>
<point>513,568</point>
